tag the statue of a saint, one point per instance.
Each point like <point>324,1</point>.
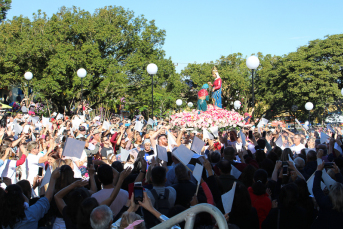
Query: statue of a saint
<point>216,88</point>
<point>202,98</point>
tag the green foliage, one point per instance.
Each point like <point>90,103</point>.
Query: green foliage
<point>312,74</point>
<point>113,46</point>
<point>5,5</point>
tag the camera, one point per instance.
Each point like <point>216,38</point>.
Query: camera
<point>328,165</point>
<point>138,192</point>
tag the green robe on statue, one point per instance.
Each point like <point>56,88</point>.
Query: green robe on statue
<point>202,105</point>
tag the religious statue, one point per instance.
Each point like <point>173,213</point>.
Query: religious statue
<point>216,88</point>
<point>202,98</point>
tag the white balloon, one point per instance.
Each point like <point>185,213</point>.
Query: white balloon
<point>179,102</point>
<point>28,75</point>
<point>81,73</point>
<point>252,62</point>
<point>152,69</point>
<point>237,104</point>
<point>309,106</point>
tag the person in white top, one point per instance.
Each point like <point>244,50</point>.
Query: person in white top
<point>34,160</point>
<point>297,147</point>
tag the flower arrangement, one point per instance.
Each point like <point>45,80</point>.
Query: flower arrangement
<point>214,116</point>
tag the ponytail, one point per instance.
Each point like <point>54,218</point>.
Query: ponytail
<point>260,179</point>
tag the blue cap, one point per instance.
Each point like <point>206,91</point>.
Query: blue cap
<point>205,86</point>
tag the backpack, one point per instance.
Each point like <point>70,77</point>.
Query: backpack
<point>161,201</point>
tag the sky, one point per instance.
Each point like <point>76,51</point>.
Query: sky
<point>203,31</point>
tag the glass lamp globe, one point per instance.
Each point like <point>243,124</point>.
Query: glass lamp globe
<point>152,69</point>
<point>252,62</point>
<point>81,73</point>
<point>28,75</point>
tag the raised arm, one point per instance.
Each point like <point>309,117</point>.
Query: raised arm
<point>116,190</point>
<point>59,196</point>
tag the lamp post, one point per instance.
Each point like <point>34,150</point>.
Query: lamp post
<point>309,107</point>
<point>152,70</point>
<point>179,103</point>
<point>252,63</point>
<point>294,109</point>
<point>237,105</point>
<point>28,76</point>
<point>81,73</point>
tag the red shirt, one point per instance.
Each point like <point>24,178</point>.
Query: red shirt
<point>261,203</point>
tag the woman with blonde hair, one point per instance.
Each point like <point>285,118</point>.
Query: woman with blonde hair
<point>131,220</point>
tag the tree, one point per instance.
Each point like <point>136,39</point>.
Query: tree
<point>313,73</point>
<point>5,5</point>
<point>112,44</point>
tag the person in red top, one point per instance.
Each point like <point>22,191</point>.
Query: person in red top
<point>260,199</point>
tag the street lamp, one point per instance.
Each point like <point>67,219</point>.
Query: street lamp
<point>81,73</point>
<point>28,76</point>
<point>309,107</point>
<point>294,109</point>
<point>252,63</point>
<point>179,103</point>
<point>190,104</point>
<point>342,91</point>
<point>237,104</point>
<point>152,70</point>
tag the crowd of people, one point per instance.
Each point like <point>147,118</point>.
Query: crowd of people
<point>282,179</point>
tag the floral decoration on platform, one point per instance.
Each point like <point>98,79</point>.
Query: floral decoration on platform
<point>214,116</point>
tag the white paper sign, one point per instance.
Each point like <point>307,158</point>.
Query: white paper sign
<point>46,178</point>
<point>262,122</point>
<point>17,129</point>
<point>138,126</point>
<point>26,129</point>
<point>45,121</point>
<point>73,148</point>
<point>162,153</point>
<point>59,116</point>
<point>150,122</point>
<point>235,172</point>
<point>328,181</point>
<point>337,147</point>
<point>206,135</point>
<point>310,184</point>
<point>197,172</point>
<point>197,145</point>
<point>214,131</point>
<point>323,138</point>
<point>171,141</point>
<point>183,154</point>
<point>106,125</point>
<point>124,154</point>
<point>279,142</point>
<point>35,119</point>
<point>227,199</point>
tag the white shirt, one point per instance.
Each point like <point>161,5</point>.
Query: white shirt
<point>32,166</point>
<point>297,148</point>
